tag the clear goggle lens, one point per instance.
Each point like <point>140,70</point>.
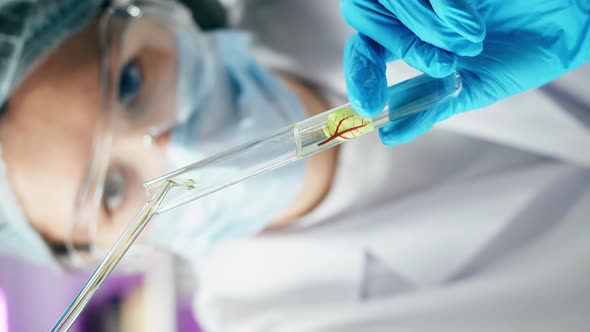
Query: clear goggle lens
<point>141,92</point>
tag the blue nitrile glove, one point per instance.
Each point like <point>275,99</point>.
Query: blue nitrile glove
<point>527,44</point>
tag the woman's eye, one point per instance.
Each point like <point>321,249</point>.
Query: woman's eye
<point>130,82</point>
<point>114,190</point>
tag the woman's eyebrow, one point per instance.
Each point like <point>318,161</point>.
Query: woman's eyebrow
<point>3,109</point>
<point>60,249</point>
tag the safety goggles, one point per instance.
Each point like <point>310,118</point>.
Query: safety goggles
<point>141,43</point>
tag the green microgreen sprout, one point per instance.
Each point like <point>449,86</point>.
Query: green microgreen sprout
<point>189,184</point>
<point>345,124</point>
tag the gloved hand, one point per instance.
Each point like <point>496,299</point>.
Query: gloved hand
<point>527,44</point>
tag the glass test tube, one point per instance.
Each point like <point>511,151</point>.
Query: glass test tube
<point>110,261</point>
<point>282,147</point>
<point>302,140</point>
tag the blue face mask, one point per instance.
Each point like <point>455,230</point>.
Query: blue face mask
<point>221,106</point>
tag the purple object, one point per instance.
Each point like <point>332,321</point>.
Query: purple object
<point>3,312</point>
<point>36,297</point>
<point>32,298</point>
<point>186,319</point>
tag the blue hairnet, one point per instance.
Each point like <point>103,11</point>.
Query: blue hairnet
<point>29,30</point>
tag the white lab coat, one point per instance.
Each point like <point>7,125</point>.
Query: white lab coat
<point>480,225</point>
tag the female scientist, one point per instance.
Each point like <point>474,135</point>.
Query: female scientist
<point>478,225</point>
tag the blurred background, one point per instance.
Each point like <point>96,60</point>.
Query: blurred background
<point>33,298</point>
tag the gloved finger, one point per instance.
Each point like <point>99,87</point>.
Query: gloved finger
<point>378,24</point>
<point>462,17</point>
<point>409,128</point>
<point>419,17</point>
<point>364,73</point>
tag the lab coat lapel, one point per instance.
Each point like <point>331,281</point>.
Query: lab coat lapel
<point>543,121</point>
<point>434,235</point>
<point>550,207</point>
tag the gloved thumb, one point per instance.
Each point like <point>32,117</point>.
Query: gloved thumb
<point>364,71</point>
